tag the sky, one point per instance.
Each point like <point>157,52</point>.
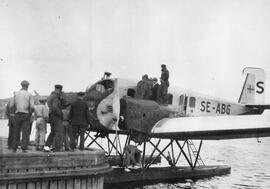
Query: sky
<point>205,44</point>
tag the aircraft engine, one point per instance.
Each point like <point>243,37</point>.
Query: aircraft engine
<point>141,115</point>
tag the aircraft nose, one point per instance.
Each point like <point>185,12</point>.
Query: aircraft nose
<point>106,114</point>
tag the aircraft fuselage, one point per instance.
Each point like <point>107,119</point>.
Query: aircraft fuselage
<point>114,107</point>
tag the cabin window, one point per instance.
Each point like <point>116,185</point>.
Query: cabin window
<point>181,100</point>
<point>170,98</point>
<point>185,103</point>
<point>131,93</point>
<point>192,101</point>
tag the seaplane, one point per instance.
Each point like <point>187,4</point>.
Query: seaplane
<point>177,126</point>
<point>186,116</point>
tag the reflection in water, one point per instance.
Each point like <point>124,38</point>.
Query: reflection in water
<point>248,158</point>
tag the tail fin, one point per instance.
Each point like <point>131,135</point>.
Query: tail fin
<point>254,87</point>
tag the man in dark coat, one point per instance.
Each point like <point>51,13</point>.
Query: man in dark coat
<point>164,84</point>
<point>55,103</point>
<point>165,76</point>
<point>10,113</point>
<point>79,117</point>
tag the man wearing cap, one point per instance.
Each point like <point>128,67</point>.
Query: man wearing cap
<point>165,75</point>
<point>55,103</point>
<point>164,82</point>
<point>79,117</point>
<point>23,101</point>
<point>41,116</point>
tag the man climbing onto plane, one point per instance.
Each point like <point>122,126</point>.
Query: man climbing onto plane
<point>165,77</point>
<point>164,84</point>
<point>23,102</point>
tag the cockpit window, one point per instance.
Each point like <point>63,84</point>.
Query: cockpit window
<point>192,102</point>
<point>99,90</point>
<point>102,86</point>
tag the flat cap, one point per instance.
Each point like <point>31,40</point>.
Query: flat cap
<point>145,76</point>
<point>25,83</point>
<point>58,86</point>
<point>80,93</point>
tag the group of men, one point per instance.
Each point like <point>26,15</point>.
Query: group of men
<point>150,89</point>
<point>67,121</point>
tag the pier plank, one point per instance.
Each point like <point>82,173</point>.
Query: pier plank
<point>31,185</point>
<point>83,183</point>
<point>53,185</point>
<point>45,185</point>
<point>38,185</point>
<point>21,186</point>
<point>89,182</point>
<point>12,186</point>
<point>77,183</point>
<point>3,186</point>
<point>61,184</point>
<point>70,183</point>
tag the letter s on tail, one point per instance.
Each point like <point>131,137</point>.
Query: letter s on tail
<point>254,87</point>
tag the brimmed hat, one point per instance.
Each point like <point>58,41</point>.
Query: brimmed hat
<point>58,86</point>
<point>163,65</point>
<point>25,83</point>
<point>145,76</point>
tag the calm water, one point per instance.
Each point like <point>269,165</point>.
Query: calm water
<point>249,161</point>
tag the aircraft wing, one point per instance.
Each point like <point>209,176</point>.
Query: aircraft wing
<point>213,127</point>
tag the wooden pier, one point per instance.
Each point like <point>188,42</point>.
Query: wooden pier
<point>60,170</point>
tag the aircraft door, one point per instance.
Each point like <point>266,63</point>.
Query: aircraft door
<point>183,104</point>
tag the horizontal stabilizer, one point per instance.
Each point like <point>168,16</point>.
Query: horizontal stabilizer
<point>259,106</point>
<point>213,128</point>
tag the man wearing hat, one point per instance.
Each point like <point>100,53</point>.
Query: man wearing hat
<point>164,81</point>
<point>41,116</point>
<point>165,75</point>
<point>55,103</point>
<point>79,117</point>
<point>143,90</point>
<point>23,102</point>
